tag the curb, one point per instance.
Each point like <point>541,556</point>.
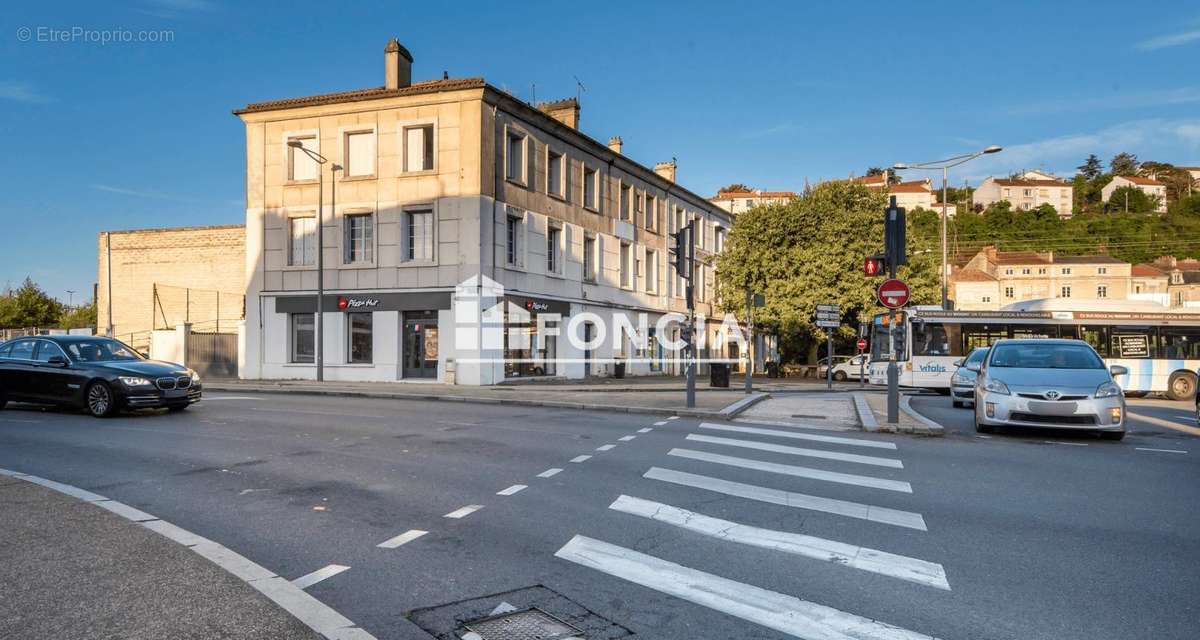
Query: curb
<point>866,417</point>
<point>931,428</point>
<point>723,414</point>
<point>315,614</point>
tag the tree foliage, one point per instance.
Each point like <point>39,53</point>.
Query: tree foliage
<point>1091,168</point>
<point>736,187</point>
<point>1123,164</point>
<point>809,251</point>
<point>1129,199</point>
<point>28,306</point>
<point>79,317</point>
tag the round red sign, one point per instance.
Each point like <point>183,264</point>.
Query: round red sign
<point>893,294</point>
<point>343,303</point>
<point>862,344</point>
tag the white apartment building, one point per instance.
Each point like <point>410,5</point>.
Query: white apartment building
<point>1149,186</point>
<point>1026,192</point>
<point>443,201</point>
<point>736,202</point>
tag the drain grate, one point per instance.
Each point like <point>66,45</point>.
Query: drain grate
<point>530,624</point>
<point>807,415</point>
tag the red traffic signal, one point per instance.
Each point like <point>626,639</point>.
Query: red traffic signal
<point>873,266</point>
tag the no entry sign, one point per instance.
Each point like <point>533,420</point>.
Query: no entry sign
<point>862,344</point>
<point>893,293</point>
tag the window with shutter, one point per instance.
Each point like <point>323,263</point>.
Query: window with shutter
<point>360,153</point>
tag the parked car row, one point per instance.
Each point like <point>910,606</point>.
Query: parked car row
<point>99,375</point>
<point>1041,383</point>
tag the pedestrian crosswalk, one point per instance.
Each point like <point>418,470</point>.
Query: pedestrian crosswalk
<point>707,456</point>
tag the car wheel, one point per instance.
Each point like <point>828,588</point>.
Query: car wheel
<point>979,426</point>
<point>1112,435</point>
<point>100,400</point>
<point>840,376</point>
<point>958,404</point>
<point>1181,386</point>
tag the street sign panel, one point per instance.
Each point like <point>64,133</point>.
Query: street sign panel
<point>828,308</point>
<point>862,344</point>
<point>829,324</point>
<point>893,293</point>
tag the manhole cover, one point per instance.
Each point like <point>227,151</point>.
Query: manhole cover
<point>531,624</point>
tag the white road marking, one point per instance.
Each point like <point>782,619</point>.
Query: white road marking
<point>888,564</point>
<point>580,458</point>
<point>645,430</point>
<point>1133,415</point>
<point>984,437</point>
<point>21,420</point>
<point>626,438</point>
<point>791,470</point>
<point>464,511</point>
<point>770,609</point>
<point>606,447</point>
<point>673,418</point>
<point>404,538</point>
<point>800,436</point>
<point>1160,450</point>
<point>799,451</point>
<point>660,423</point>
<point>511,490</point>
<point>846,508</point>
<point>549,473</point>
<point>1069,444</point>
<point>233,398</point>
<point>328,571</point>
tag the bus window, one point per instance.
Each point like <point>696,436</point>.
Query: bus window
<point>982,335</point>
<point>936,339</point>
<point>1180,343</point>
<point>1068,331</point>
<point>1133,342</point>
<point>1034,331</point>
<point>1097,337</point>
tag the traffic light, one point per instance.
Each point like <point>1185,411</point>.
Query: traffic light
<point>874,266</point>
<point>893,236</point>
<point>679,253</point>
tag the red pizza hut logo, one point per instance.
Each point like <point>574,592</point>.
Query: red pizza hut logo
<point>345,303</point>
<point>530,305</point>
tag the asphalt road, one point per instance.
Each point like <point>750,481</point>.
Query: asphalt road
<point>1014,536</point>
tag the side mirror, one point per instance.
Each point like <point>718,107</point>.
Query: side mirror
<point>958,363</point>
<point>1118,370</point>
<point>57,361</point>
<point>974,366</point>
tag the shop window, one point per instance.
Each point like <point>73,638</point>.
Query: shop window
<point>303,337</point>
<point>359,337</point>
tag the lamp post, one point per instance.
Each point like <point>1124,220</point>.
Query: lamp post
<point>945,165</point>
<point>318,324</point>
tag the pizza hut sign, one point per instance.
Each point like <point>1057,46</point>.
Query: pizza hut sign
<point>531,305</point>
<point>346,303</point>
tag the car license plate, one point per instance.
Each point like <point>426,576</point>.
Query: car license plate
<point>1052,408</point>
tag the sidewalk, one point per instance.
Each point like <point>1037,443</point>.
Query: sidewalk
<point>651,395</point>
<point>909,420</point>
<point>71,569</point>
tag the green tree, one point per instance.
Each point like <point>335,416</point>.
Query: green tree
<point>1123,164</point>
<point>736,187</point>
<point>809,251</point>
<point>29,306</point>
<point>1132,200</point>
<point>1178,181</point>
<point>79,317</point>
<point>1091,167</point>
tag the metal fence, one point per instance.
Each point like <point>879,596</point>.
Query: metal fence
<point>207,310</point>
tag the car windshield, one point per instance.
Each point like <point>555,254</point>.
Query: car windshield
<point>1044,355</point>
<point>976,357</point>
<point>101,351</point>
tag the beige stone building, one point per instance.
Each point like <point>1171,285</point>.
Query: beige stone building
<point>736,202</point>
<point>1149,186</point>
<point>447,190</point>
<point>992,279</point>
<point>1027,193</point>
<point>163,277</point>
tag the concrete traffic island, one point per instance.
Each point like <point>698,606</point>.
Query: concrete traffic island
<point>77,565</point>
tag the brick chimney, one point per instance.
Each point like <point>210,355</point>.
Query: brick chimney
<point>397,65</point>
<point>666,170</point>
<point>565,111</point>
<point>614,144</point>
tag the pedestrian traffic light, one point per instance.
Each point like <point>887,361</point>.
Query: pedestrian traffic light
<point>874,266</point>
<point>893,236</point>
<point>679,253</point>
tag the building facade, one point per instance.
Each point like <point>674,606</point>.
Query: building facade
<point>159,278</point>
<point>1149,186</point>
<point>736,202</point>
<point>455,200</point>
<point>993,279</point>
<point>1026,193</point>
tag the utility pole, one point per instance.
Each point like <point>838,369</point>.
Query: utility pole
<point>894,241</point>
<point>691,305</point>
<point>750,342</point>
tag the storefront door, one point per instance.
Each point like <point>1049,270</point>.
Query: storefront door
<point>420,345</point>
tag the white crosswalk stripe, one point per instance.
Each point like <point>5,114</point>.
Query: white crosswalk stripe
<point>770,609</point>
<point>797,435</point>
<point>883,515</point>
<point>792,470</point>
<point>799,451</point>
<point>881,562</point>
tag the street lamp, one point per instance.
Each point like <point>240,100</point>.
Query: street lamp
<point>945,165</point>
<point>318,324</point>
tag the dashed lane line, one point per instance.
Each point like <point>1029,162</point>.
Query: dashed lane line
<point>513,489</point>
<point>328,571</point>
<point>796,435</point>
<point>660,423</point>
<point>883,515</point>
<point>463,512</point>
<point>645,430</point>
<point>404,538</point>
<point>673,418</point>
<point>580,458</point>
<point>549,473</point>
<point>930,574</point>
<point>1164,423</point>
<point>799,451</point>
<point>796,471</point>
<point>1160,450</point>
<point>1069,444</point>
<point>626,438</point>
<point>606,447</point>
<point>770,609</point>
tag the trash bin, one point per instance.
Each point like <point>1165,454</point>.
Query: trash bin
<point>772,369</point>
<point>618,369</point>
<point>718,374</point>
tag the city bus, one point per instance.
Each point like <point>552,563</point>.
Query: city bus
<point>1159,346</point>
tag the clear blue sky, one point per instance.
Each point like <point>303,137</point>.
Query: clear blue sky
<point>128,135</point>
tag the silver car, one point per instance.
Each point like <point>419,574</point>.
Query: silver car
<point>1048,383</point>
<point>962,383</point>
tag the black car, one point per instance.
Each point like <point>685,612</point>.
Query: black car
<point>100,375</point>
